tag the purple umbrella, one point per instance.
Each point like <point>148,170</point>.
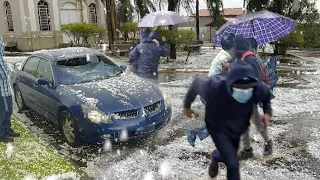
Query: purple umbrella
<point>265,26</point>
<point>162,18</point>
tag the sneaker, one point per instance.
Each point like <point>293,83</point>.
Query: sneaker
<point>245,154</point>
<point>13,134</point>
<point>6,139</point>
<point>267,150</point>
<point>213,169</point>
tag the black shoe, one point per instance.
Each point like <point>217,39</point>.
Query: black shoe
<point>6,139</point>
<point>12,134</point>
<point>213,169</point>
<point>245,154</point>
<point>267,150</point>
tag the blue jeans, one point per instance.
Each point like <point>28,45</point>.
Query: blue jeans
<point>226,152</point>
<point>192,134</point>
<point>5,114</point>
<point>202,132</point>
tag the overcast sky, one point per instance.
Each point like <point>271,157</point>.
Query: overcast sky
<point>203,5</point>
<point>226,4</point>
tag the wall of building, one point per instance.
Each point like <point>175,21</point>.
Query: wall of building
<point>27,31</point>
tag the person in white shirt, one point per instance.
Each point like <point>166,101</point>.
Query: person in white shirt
<point>220,64</point>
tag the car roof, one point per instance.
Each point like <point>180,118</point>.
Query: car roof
<point>66,53</point>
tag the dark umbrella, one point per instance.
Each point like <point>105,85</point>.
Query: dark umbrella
<point>264,26</point>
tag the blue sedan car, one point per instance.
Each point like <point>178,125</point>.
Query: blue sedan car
<point>88,96</point>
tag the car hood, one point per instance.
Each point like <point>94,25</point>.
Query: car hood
<point>116,94</point>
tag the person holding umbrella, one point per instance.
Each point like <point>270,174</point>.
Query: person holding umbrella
<point>242,46</point>
<point>147,56</point>
<point>144,33</point>
<point>265,27</point>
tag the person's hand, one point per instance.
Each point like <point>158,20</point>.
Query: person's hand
<point>189,113</point>
<point>266,119</point>
<point>156,41</point>
<point>225,65</point>
<point>163,39</point>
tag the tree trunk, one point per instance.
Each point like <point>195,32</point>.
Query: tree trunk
<point>111,21</point>
<point>109,24</point>
<point>276,49</point>
<point>244,6</point>
<point>172,4</point>
<point>126,36</point>
<point>279,10</point>
<point>197,20</point>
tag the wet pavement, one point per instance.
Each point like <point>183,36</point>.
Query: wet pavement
<point>295,132</point>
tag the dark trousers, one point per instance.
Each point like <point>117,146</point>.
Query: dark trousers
<point>5,114</point>
<point>226,152</point>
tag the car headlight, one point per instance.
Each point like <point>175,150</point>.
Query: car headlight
<point>95,115</point>
<point>166,100</point>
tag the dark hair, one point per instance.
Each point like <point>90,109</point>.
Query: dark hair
<point>227,41</point>
<point>253,43</point>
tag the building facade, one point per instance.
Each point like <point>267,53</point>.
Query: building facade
<point>35,24</point>
<point>207,27</point>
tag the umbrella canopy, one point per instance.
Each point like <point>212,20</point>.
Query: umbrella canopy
<point>162,18</point>
<point>264,26</point>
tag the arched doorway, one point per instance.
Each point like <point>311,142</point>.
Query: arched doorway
<point>69,13</point>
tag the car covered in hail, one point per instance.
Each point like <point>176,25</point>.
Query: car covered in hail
<point>88,95</point>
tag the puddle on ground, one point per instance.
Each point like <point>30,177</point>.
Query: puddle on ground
<point>177,76</point>
<point>288,78</point>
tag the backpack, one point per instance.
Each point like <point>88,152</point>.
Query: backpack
<point>271,66</point>
<point>263,68</point>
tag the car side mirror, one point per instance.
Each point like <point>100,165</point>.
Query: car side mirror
<point>123,67</point>
<point>43,81</point>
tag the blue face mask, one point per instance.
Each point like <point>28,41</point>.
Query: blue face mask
<point>242,95</point>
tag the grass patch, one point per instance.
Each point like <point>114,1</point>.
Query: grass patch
<point>28,155</point>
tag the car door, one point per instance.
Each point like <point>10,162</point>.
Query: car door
<point>27,81</point>
<point>48,98</point>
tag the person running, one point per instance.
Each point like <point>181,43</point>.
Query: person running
<point>147,55</point>
<point>255,62</point>
<point>219,66</point>
<point>229,102</point>
<point>6,133</point>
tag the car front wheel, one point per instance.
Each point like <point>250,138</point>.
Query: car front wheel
<point>19,99</point>
<point>69,129</point>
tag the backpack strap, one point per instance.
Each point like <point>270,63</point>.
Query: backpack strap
<point>246,54</point>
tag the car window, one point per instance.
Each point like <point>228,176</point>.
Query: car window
<point>106,60</point>
<point>86,68</point>
<point>30,67</point>
<point>45,71</point>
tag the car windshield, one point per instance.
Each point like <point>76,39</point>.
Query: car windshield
<point>84,69</point>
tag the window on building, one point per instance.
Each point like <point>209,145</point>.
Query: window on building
<point>44,16</point>
<point>8,15</point>
<point>93,13</point>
